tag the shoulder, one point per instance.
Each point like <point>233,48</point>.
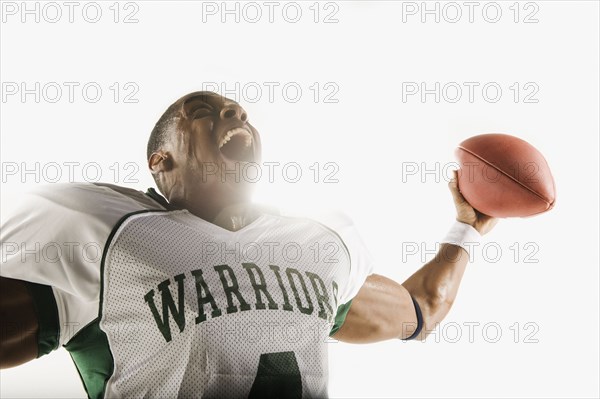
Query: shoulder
<point>89,206</point>
<point>91,198</point>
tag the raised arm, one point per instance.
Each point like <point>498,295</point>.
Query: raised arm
<point>384,309</point>
<point>18,321</point>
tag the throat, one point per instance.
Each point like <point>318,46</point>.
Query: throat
<point>236,217</point>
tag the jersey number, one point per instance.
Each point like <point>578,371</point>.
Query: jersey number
<point>278,376</point>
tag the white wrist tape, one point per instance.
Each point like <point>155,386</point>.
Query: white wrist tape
<point>462,234</point>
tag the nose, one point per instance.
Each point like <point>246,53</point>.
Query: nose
<point>233,110</point>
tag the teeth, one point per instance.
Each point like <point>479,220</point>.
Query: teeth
<point>234,132</point>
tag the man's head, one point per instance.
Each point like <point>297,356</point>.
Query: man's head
<point>198,149</point>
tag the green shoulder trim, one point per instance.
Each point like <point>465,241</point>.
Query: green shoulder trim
<point>47,316</point>
<point>340,317</point>
<point>91,355</point>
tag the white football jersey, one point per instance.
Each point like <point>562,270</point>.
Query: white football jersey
<point>152,301</point>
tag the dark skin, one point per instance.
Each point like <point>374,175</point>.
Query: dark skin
<point>191,166</point>
<point>187,171</point>
<point>18,324</point>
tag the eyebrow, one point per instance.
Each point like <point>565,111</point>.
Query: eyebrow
<point>201,97</point>
<point>192,103</point>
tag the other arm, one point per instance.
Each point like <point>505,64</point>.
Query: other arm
<point>18,337</point>
<point>384,309</point>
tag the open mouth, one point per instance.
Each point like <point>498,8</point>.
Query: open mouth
<point>237,145</point>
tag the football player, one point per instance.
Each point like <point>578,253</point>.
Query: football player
<point>199,292</point>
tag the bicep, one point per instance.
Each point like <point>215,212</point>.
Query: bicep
<point>383,309</point>
<point>18,337</point>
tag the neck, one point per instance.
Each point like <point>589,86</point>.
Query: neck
<point>236,217</point>
<point>231,217</point>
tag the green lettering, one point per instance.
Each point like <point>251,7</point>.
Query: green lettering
<point>201,288</point>
<point>259,287</point>
<point>286,299</point>
<point>321,294</point>
<point>231,289</point>
<point>168,305</point>
<point>304,309</point>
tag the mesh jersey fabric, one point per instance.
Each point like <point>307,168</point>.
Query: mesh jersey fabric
<point>186,308</point>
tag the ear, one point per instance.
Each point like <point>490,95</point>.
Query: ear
<point>160,162</point>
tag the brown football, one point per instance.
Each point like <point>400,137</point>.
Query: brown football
<point>504,176</point>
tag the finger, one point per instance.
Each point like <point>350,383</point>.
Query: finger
<point>454,180</point>
<point>456,195</point>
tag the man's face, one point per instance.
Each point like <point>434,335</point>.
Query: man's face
<point>213,144</point>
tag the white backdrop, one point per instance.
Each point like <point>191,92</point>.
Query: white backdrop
<point>379,94</point>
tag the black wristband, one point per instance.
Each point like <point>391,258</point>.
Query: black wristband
<point>419,320</point>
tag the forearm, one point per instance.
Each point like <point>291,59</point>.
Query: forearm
<point>436,284</point>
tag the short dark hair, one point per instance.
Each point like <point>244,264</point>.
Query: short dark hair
<point>163,128</point>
